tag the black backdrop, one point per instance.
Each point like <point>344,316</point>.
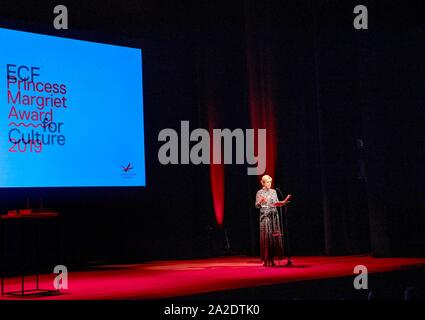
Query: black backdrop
<point>335,89</point>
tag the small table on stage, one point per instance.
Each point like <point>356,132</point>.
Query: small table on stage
<point>33,218</point>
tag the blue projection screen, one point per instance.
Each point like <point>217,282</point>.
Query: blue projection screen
<point>71,113</point>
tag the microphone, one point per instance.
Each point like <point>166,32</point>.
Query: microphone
<point>287,197</point>
<point>280,192</point>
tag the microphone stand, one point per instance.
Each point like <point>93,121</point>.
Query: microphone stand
<point>285,216</point>
<point>289,262</point>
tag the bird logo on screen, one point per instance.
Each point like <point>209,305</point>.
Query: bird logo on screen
<point>127,168</point>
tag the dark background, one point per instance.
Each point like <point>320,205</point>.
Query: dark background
<point>333,88</point>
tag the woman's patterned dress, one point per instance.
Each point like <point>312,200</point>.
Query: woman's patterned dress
<point>271,233</point>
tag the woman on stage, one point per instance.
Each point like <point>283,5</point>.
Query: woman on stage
<point>271,233</point>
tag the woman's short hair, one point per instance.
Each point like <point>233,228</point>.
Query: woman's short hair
<point>265,178</point>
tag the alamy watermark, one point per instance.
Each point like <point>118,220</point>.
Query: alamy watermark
<point>361,281</point>
<point>61,280</point>
<point>360,21</point>
<point>178,150</point>
<point>61,20</point>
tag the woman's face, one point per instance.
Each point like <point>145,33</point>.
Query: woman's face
<point>267,184</point>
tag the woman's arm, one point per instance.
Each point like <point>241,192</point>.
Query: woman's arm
<point>274,197</point>
<point>259,199</point>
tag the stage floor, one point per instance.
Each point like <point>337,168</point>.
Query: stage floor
<point>180,278</point>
